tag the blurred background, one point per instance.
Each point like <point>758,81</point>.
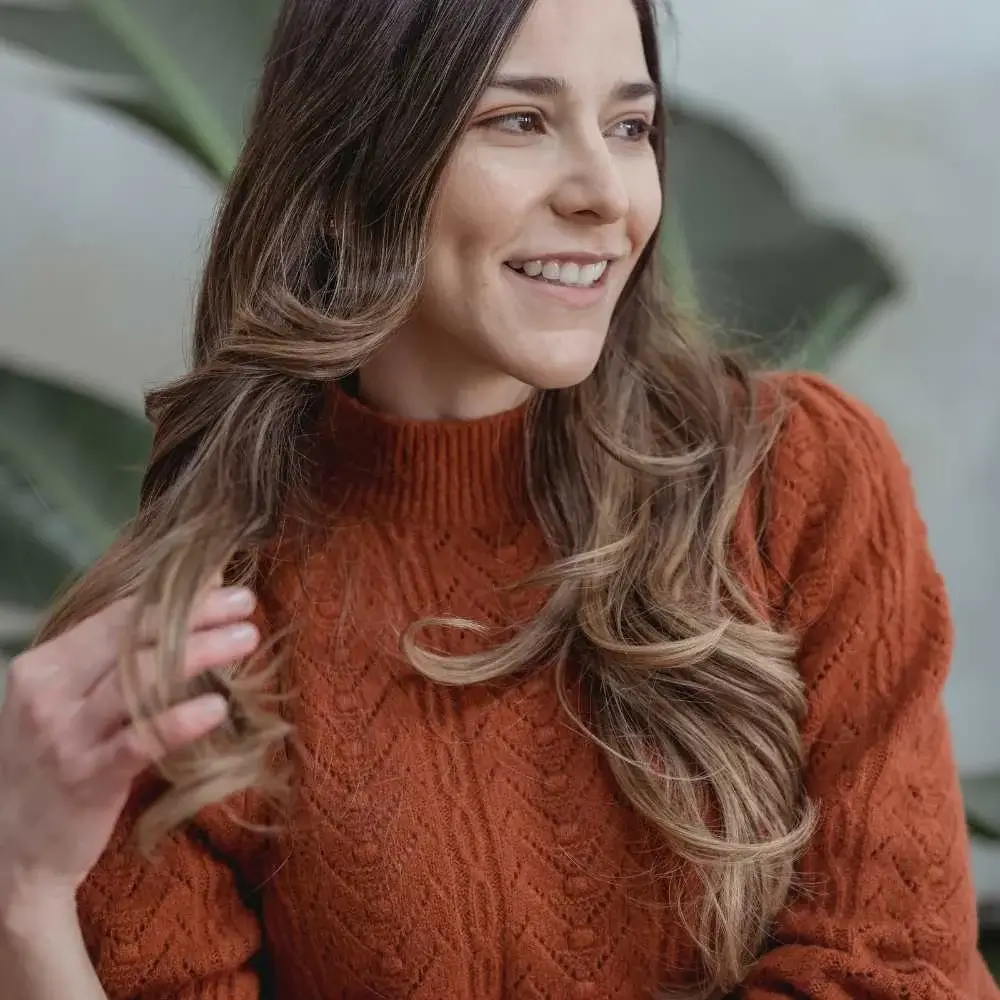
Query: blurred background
<point>836,204</point>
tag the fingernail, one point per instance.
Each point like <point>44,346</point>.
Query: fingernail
<point>237,597</point>
<point>242,633</point>
<point>212,706</point>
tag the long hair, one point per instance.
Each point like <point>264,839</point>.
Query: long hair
<point>636,474</point>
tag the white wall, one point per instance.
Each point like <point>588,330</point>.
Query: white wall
<point>884,112</point>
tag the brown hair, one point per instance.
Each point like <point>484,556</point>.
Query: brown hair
<point>636,474</point>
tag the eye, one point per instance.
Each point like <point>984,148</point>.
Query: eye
<point>518,123</point>
<point>633,129</point>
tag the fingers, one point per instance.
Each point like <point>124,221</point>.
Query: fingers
<point>215,607</point>
<point>85,653</point>
<point>80,655</point>
<point>104,709</point>
<point>128,754</point>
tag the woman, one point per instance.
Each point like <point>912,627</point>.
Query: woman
<point>702,749</point>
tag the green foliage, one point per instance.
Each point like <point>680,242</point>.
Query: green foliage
<point>982,800</point>
<point>788,286</point>
<point>792,287</point>
<point>70,469</point>
<point>184,68</point>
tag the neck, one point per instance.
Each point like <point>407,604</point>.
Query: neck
<point>418,384</point>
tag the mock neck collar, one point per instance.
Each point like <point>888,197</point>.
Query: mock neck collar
<point>446,472</point>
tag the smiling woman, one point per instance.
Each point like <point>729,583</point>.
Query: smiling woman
<point>579,660</point>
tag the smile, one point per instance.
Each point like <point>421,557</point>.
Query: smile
<point>567,284</point>
<point>565,273</point>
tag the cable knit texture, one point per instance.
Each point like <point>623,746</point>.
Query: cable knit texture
<point>469,844</point>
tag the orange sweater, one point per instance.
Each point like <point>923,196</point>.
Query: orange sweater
<point>466,844</point>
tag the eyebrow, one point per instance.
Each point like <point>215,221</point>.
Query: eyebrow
<point>553,86</point>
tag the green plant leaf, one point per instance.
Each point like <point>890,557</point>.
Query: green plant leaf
<point>186,68</point>
<point>170,77</point>
<point>789,286</point>
<point>207,57</point>
<point>70,469</point>
<point>68,36</point>
<point>162,122</point>
<point>982,829</point>
<point>989,934</point>
<point>982,805</point>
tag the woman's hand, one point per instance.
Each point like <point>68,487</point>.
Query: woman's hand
<point>68,750</point>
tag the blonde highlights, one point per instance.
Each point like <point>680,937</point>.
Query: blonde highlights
<point>692,694</point>
<point>637,474</point>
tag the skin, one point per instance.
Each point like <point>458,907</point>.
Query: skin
<point>536,175</point>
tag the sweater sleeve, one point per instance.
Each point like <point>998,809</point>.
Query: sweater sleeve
<point>185,925</point>
<point>179,927</point>
<point>885,907</point>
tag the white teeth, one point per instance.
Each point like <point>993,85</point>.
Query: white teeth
<point>570,273</point>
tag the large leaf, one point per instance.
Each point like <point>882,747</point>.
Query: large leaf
<point>186,67</point>
<point>982,804</point>
<point>162,122</point>
<point>788,285</point>
<point>989,935</point>
<point>70,469</point>
<point>68,35</point>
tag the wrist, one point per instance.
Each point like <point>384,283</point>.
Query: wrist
<point>27,910</point>
<point>42,949</point>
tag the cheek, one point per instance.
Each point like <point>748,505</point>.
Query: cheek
<point>481,209</point>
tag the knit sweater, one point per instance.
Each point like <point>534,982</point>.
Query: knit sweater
<point>468,843</point>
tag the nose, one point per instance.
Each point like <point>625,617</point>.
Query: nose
<point>591,184</point>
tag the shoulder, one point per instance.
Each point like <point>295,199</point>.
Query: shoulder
<point>847,553</point>
<point>833,454</point>
<point>839,495</point>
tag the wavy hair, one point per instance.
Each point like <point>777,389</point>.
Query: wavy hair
<point>636,474</point>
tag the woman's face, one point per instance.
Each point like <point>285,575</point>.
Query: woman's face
<point>543,211</point>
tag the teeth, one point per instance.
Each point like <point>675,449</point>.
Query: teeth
<point>574,275</point>
<point>568,274</point>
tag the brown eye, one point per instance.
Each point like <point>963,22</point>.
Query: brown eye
<point>634,129</point>
<point>518,123</point>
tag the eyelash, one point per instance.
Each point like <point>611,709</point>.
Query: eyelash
<point>646,129</point>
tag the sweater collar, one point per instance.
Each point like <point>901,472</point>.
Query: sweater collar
<point>446,472</point>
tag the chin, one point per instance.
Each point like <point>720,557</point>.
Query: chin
<point>560,362</point>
